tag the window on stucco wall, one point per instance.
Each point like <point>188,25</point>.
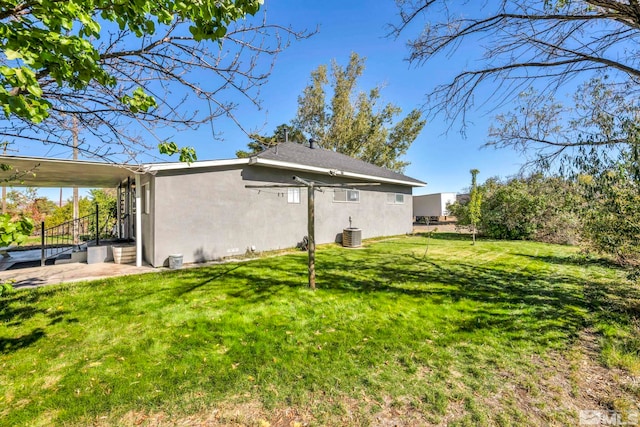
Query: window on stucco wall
<point>395,198</point>
<point>144,198</point>
<point>293,195</point>
<point>346,196</point>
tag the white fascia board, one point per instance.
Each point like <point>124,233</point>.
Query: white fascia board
<point>156,167</point>
<point>286,165</point>
<point>333,172</point>
<point>387,180</point>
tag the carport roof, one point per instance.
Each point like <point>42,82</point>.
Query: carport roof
<point>43,172</point>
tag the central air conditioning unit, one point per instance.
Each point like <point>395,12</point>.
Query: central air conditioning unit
<point>351,237</point>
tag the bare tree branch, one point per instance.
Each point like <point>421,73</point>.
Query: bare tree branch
<point>544,43</point>
<point>193,82</point>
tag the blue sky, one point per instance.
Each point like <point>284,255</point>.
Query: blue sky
<point>442,159</point>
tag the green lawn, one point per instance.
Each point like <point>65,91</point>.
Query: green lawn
<point>500,333</point>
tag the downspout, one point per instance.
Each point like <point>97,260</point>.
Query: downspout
<point>138,222</point>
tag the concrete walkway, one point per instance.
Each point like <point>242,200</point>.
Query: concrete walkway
<point>52,274</point>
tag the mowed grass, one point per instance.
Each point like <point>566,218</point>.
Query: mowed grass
<point>448,338</point>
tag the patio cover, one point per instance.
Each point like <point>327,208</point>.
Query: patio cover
<point>43,172</point>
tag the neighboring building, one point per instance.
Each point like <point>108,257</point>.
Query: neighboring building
<point>205,211</point>
<point>433,206</point>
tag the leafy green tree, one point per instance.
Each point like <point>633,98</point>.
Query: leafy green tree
<point>460,210</point>
<point>120,68</point>
<point>106,199</point>
<point>351,122</point>
<point>65,212</point>
<point>259,142</point>
<point>107,205</point>
<point>612,212</point>
<point>550,42</point>
<point>44,207</point>
<point>14,231</point>
<point>27,203</point>
<point>597,141</point>
<point>19,200</point>
<point>536,207</point>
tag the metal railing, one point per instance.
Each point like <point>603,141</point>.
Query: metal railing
<point>72,235</point>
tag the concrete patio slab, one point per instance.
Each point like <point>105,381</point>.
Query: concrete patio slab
<point>52,274</point>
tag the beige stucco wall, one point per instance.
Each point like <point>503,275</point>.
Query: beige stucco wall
<point>208,214</point>
<point>148,241</point>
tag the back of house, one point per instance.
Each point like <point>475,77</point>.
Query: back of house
<point>214,209</point>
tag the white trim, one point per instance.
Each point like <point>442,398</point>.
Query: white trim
<point>132,169</point>
<point>70,161</point>
<point>388,180</point>
<point>138,223</point>
<point>155,167</point>
<point>333,172</point>
<point>66,173</point>
<point>288,165</point>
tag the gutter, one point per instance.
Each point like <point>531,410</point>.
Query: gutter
<point>156,167</point>
<point>332,172</point>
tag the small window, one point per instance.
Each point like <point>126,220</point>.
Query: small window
<point>144,198</point>
<point>293,195</point>
<point>395,198</point>
<point>349,196</point>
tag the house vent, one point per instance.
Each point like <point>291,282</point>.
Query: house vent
<point>351,237</point>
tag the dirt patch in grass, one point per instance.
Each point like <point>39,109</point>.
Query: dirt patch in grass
<point>613,389</point>
<point>563,384</point>
<point>225,414</point>
<point>548,391</point>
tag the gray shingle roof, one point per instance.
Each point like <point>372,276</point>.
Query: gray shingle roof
<point>319,157</point>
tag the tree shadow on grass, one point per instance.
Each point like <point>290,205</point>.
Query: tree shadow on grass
<point>447,236</point>
<point>608,298</point>
<point>574,260</point>
<point>10,345</point>
<point>528,306</point>
<point>214,276</point>
<point>16,307</point>
<point>19,307</point>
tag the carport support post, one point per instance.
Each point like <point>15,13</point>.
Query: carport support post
<point>311,221</point>
<point>97,225</point>
<point>138,222</point>
<point>42,241</point>
<point>119,211</point>
<point>128,209</point>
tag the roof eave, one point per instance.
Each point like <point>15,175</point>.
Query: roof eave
<point>51,172</point>
<point>332,172</point>
<point>157,167</point>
